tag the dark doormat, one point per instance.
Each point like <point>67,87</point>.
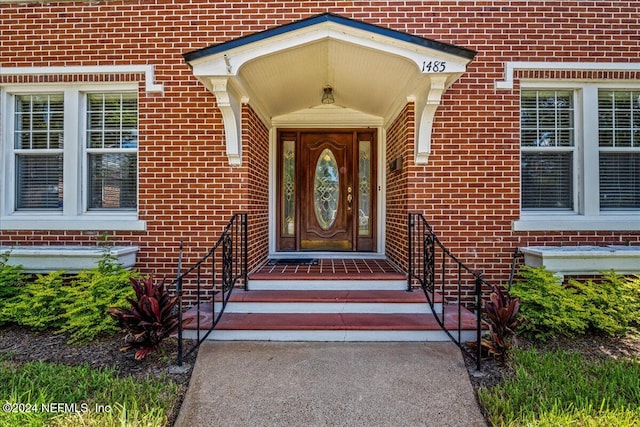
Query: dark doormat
<point>293,261</point>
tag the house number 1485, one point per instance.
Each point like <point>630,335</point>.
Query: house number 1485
<point>434,66</point>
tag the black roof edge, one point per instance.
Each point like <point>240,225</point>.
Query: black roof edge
<point>330,17</point>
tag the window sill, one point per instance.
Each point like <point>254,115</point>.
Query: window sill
<point>42,259</point>
<point>577,260</point>
<point>86,222</point>
<point>550,222</point>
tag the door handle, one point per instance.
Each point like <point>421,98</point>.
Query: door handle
<point>349,197</point>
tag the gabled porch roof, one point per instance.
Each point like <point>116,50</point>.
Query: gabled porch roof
<point>329,17</point>
<point>372,70</point>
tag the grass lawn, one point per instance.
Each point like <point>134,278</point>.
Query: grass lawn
<point>100,385</point>
<point>565,388</point>
<point>49,394</point>
<point>60,358</point>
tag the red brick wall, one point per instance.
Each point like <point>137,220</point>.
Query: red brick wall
<point>400,144</point>
<point>187,189</point>
<point>469,190</point>
<point>256,154</point>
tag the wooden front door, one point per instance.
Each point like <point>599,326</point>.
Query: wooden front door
<point>326,190</point>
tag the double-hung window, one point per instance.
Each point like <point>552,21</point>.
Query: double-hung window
<point>38,147</point>
<point>70,158</point>
<point>548,144</point>
<point>619,149</point>
<point>579,157</point>
<point>111,145</point>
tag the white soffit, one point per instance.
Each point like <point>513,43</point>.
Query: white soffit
<point>373,70</point>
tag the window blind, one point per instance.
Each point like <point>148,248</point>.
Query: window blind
<point>619,181</point>
<point>39,182</point>
<point>619,142</point>
<point>547,141</point>
<point>113,181</point>
<point>547,181</point>
<point>112,140</point>
<point>38,143</point>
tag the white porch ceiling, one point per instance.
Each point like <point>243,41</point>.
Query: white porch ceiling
<point>362,79</point>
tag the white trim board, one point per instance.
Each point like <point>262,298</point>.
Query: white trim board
<point>148,70</point>
<point>512,66</point>
<point>330,336</point>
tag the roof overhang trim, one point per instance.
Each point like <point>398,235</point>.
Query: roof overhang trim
<point>340,22</point>
<point>436,66</point>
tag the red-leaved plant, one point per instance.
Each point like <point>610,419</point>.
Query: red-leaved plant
<point>501,316</point>
<point>151,318</point>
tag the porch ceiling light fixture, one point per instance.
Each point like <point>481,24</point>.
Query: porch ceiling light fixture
<point>327,96</point>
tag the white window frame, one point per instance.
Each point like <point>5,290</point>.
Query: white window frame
<point>573,149</point>
<point>88,151</point>
<point>586,215</point>
<point>74,214</point>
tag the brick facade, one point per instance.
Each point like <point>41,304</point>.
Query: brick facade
<point>399,145</point>
<point>469,189</point>
<point>257,155</point>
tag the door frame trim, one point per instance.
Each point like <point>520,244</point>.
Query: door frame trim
<point>380,198</point>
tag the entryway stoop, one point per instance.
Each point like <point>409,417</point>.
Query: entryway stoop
<point>305,305</point>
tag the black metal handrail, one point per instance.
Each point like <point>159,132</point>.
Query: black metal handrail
<point>514,262</point>
<point>458,285</point>
<point>213,278</point>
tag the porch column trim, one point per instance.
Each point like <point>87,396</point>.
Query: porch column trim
<point>425,123</point>
<point>229,104</point>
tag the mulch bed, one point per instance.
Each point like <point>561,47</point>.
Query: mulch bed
<point>23,345</point>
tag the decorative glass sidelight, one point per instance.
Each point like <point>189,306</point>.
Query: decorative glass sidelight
<point>326,189</point>
<point>288,188</point>
<point>364,188</point>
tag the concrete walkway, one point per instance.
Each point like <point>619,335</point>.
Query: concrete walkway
<point>329,384</point>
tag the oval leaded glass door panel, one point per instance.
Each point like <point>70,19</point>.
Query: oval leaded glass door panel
<point>326,189</point>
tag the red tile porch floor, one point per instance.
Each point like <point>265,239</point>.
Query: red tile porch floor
<point>331,269</point>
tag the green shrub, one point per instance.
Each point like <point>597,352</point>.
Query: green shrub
<point>75,305</point>
<point>40,303</point>
<point>90,294</point>
<point>613,303</point>
<point>12,277</point>
<point>550,309</point>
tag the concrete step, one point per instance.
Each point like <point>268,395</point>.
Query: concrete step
<point>329,300</point>
<point>330,326</point>
<point>327,284</point>
<point>326,301</point>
